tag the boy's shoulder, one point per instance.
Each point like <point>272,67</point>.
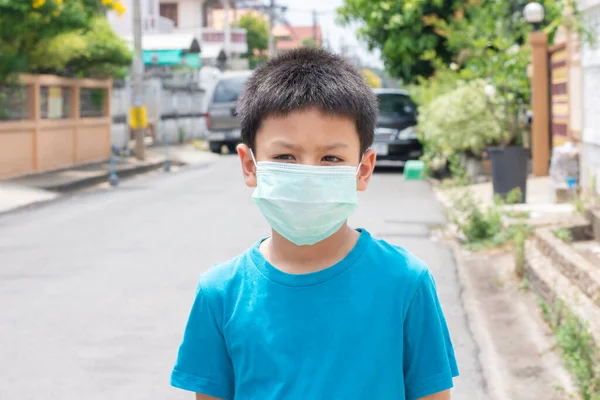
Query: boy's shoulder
<point>388,261</point>
<point>395,262</point>
<point>222,276</point>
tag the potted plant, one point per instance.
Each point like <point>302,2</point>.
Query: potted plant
<point>509,158</point>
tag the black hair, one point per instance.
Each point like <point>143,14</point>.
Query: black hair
<point>303,78</point>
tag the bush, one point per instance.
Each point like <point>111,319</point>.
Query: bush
<point>444,81</point>
<point>481,229</point>
<point>28,26</point>
<point>464,120</point>
<point>52,55</point>
<point>476,226</point>
<point>107,55</point>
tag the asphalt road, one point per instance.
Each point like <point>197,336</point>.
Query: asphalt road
<point>95,289</point>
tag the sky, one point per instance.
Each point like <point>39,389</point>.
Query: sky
<point>300,13</point>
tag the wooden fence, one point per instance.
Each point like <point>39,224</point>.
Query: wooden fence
<point>49,122</point>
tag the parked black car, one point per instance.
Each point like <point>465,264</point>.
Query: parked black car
<point>396,130</point>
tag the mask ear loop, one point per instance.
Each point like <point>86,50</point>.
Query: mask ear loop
<point>360,164</point>
<point>253,159</point>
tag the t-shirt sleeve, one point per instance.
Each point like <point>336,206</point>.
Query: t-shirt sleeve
<point>203,363</point>
<point>429,363</point>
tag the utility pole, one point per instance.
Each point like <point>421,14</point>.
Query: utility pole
<point>314,27</point>
<point>343,47</point>
<point>138,114</point>
<point>271,24</point>
<point>227,33</point>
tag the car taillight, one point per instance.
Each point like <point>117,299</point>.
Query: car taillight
<point>207,117</point>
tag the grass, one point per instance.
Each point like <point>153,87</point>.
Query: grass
<point>564,234</point>
<point>524,285</point>
<point>579,354</point>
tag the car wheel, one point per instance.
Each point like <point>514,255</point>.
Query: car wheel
<point>215,147</point>
<point>232,148</point>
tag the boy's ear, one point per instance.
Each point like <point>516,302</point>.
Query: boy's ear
<point>248,167</point>
<point>365,170</point>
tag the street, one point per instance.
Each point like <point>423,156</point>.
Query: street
<point>96,288</point>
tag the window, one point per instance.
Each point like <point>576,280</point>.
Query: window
<point>396,105</point>
<point>169,10</point>
<point>228,90</point>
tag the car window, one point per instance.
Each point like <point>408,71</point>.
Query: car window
<point>396,105</point>
<point>228,90</point>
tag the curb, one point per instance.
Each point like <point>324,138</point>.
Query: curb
<point>487,356</point>
<point>489,362</point>
<point>103,177</point>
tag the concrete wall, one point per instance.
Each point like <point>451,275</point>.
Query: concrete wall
<point>176,111</point>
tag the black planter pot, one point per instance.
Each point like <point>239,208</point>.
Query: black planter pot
<point>509,170</point>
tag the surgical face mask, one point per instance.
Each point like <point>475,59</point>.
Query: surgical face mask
<point>304,203</point>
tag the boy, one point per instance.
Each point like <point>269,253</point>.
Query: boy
<point>318,310</point>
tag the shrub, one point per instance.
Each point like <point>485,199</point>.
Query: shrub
<point>464,120</point>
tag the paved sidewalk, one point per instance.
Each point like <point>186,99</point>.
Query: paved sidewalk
<point>540,203</point>
<point>32,189</point>
<point>14,196</point>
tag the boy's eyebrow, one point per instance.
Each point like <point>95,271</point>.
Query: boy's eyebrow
<point>335,145</point>
<point>330,146</point>
<point>285,144</point>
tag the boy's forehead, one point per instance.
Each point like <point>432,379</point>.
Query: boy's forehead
<point>309,126</point>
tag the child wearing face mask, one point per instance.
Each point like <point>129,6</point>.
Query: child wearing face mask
<point>318,310</point>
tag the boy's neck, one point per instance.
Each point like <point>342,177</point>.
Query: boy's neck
<point>293,259</point>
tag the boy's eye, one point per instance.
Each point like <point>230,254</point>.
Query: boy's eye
<point>332,159</point>
<point>284,157</point>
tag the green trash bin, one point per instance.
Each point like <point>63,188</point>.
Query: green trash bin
<point>413,170</point>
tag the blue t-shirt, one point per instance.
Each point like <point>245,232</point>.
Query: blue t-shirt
<point>370,327</point>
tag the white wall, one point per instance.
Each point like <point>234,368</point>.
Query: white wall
<point>123,25</point>
<point>590,63</point>
<point>190,14</point>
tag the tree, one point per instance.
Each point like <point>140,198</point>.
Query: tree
<point>257,36</point>
<point>490,41</point>
<point>26,24</point>
<point>400,29</point>
<point>96,53</point>
<point>416,36</point>
<point>309,42</point>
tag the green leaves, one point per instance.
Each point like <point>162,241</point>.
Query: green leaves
<point>399,28</point>
<point>257,36</point>
<point>33,31</point>
<point>463,120</point>
<point>413,34</point>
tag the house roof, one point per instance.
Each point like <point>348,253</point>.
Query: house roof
<point>218,16</point>
<point>296,35</point>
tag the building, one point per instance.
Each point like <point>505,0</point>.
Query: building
<point>216,16</point>
<point>290,37</point>
<point>171,28</point>
<point>590,97</point>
